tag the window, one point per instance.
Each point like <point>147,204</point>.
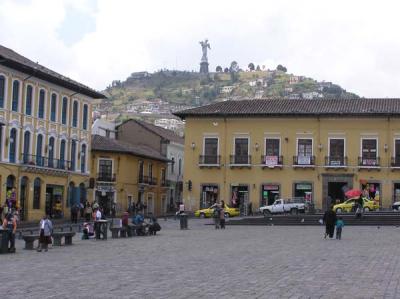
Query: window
<point>15,96</point>
<point>163,180</point>
<point>211,150</point>
<point>272,147</point>
<point>62,155</point>
<point>172,165</point>
<point>73,155</point>
<point>36,193</point>
<point>369,152</point>
<point>272,151</point>
<point>12,145</point>
<point>28,102</point>
<point>2,90</point>
<point>141,172</point>
<point>304,152</point>
<point>64,111</point>
<point>51,152</point>
<point>241,151</point>
<point>39,150</point>
<point>105,169</point>
<point>85,117</point>
<point>180,166</point>
<point>150,170</point>
<point>83,158</point>
<point>42,99</point>
<point>27,141</point>
<point>75,114</point>
<point>336,151</point>
<point>53,107</point>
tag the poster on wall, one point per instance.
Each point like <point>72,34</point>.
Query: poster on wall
<point>271,160</point>
<point>304,160</point>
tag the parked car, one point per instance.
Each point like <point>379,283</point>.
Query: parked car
<point>347,206</point>
<point>208,212</point>
<point>292,206</point>
<point>396,206</point>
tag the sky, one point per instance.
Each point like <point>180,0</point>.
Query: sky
<point>355,44</point>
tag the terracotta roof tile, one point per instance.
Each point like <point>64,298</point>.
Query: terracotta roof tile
<point>284,107</point>
<point>101,143</point>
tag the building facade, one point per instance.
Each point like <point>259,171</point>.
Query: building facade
<point>257,151</point>
<point>123,174</point>
<point>167,144</point>
<point>44,137</point>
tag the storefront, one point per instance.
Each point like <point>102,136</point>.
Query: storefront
<point>303,190</point>
<point>240,198</point>
<point>396,191</point>
<point>54,201</point>
<point>105,197</point>
<point>209,195</point>
<point>371,190</point>
<point>269,193</point>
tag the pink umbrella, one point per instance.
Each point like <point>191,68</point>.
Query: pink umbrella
<point>353,193</point>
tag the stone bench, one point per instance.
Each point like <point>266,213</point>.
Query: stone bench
<point>57,238</point>
<point>29,241</point>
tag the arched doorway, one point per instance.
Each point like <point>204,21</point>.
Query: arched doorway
<point>24,187</point>
<point>83,196</point>
<point>11,196</point>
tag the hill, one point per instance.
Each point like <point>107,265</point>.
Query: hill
<point>157,95</point>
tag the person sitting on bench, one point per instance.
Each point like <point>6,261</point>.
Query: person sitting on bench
<point>88,231</point>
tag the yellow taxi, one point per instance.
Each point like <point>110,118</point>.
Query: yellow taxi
<point>209,212</point>
<point>347,206</point>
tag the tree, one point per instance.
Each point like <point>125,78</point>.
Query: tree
<point>281,68</point>
<point>218,69</point>
<point>251,66</point>
<point>258,68</point>
<point>226,70</point>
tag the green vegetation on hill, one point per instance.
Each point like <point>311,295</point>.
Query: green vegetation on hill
<point>193,89</point>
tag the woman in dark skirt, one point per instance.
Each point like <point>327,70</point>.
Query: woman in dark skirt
<point>330,221</point>
<point>45,228</point>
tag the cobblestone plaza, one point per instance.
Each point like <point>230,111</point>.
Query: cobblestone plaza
<point>240,262</point>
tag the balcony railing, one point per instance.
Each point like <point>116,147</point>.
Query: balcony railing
<point>41,161</point>
<point>395,162</point>
<point>152,181</point>
<point>213,160</point>
<point>143,179</point>
<point>271,161</point>
<point>302,161</point>
<point>165,183</point>
<point>106,177</point>
<point>240,159</point>
<point>368,162</point>
<point>335,161</point>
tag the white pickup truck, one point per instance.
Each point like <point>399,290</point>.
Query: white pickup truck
<point>283,206</point>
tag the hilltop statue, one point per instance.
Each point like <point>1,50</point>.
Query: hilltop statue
<point>204,59</point>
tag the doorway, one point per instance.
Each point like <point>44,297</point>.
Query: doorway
<point>240,198</point>
<point>336,192</point>
<point>54,199</point>
<point>23,197</point>
<point>269,193</point>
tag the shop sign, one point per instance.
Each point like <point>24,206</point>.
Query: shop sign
<point>303,160</point>
<point>271,160</point>
<point>303,187</point>
<point>271,187</point>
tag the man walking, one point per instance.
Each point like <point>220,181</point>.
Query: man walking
<point>10,224</point>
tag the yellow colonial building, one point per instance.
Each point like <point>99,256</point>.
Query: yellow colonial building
<point>45,121</point>
<point>123,174</point>
<point>258,150</point>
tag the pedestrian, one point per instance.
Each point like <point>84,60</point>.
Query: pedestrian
<point>45,231</point>
<point>216,214</point>
<point>360,207</point>
<point>222,215</point>
<point>10,224</point>
<point>339,227</point>
<point>330,221</point>
<point>88,211</point>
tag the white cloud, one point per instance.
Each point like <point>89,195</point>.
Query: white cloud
<point>352,43</point>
